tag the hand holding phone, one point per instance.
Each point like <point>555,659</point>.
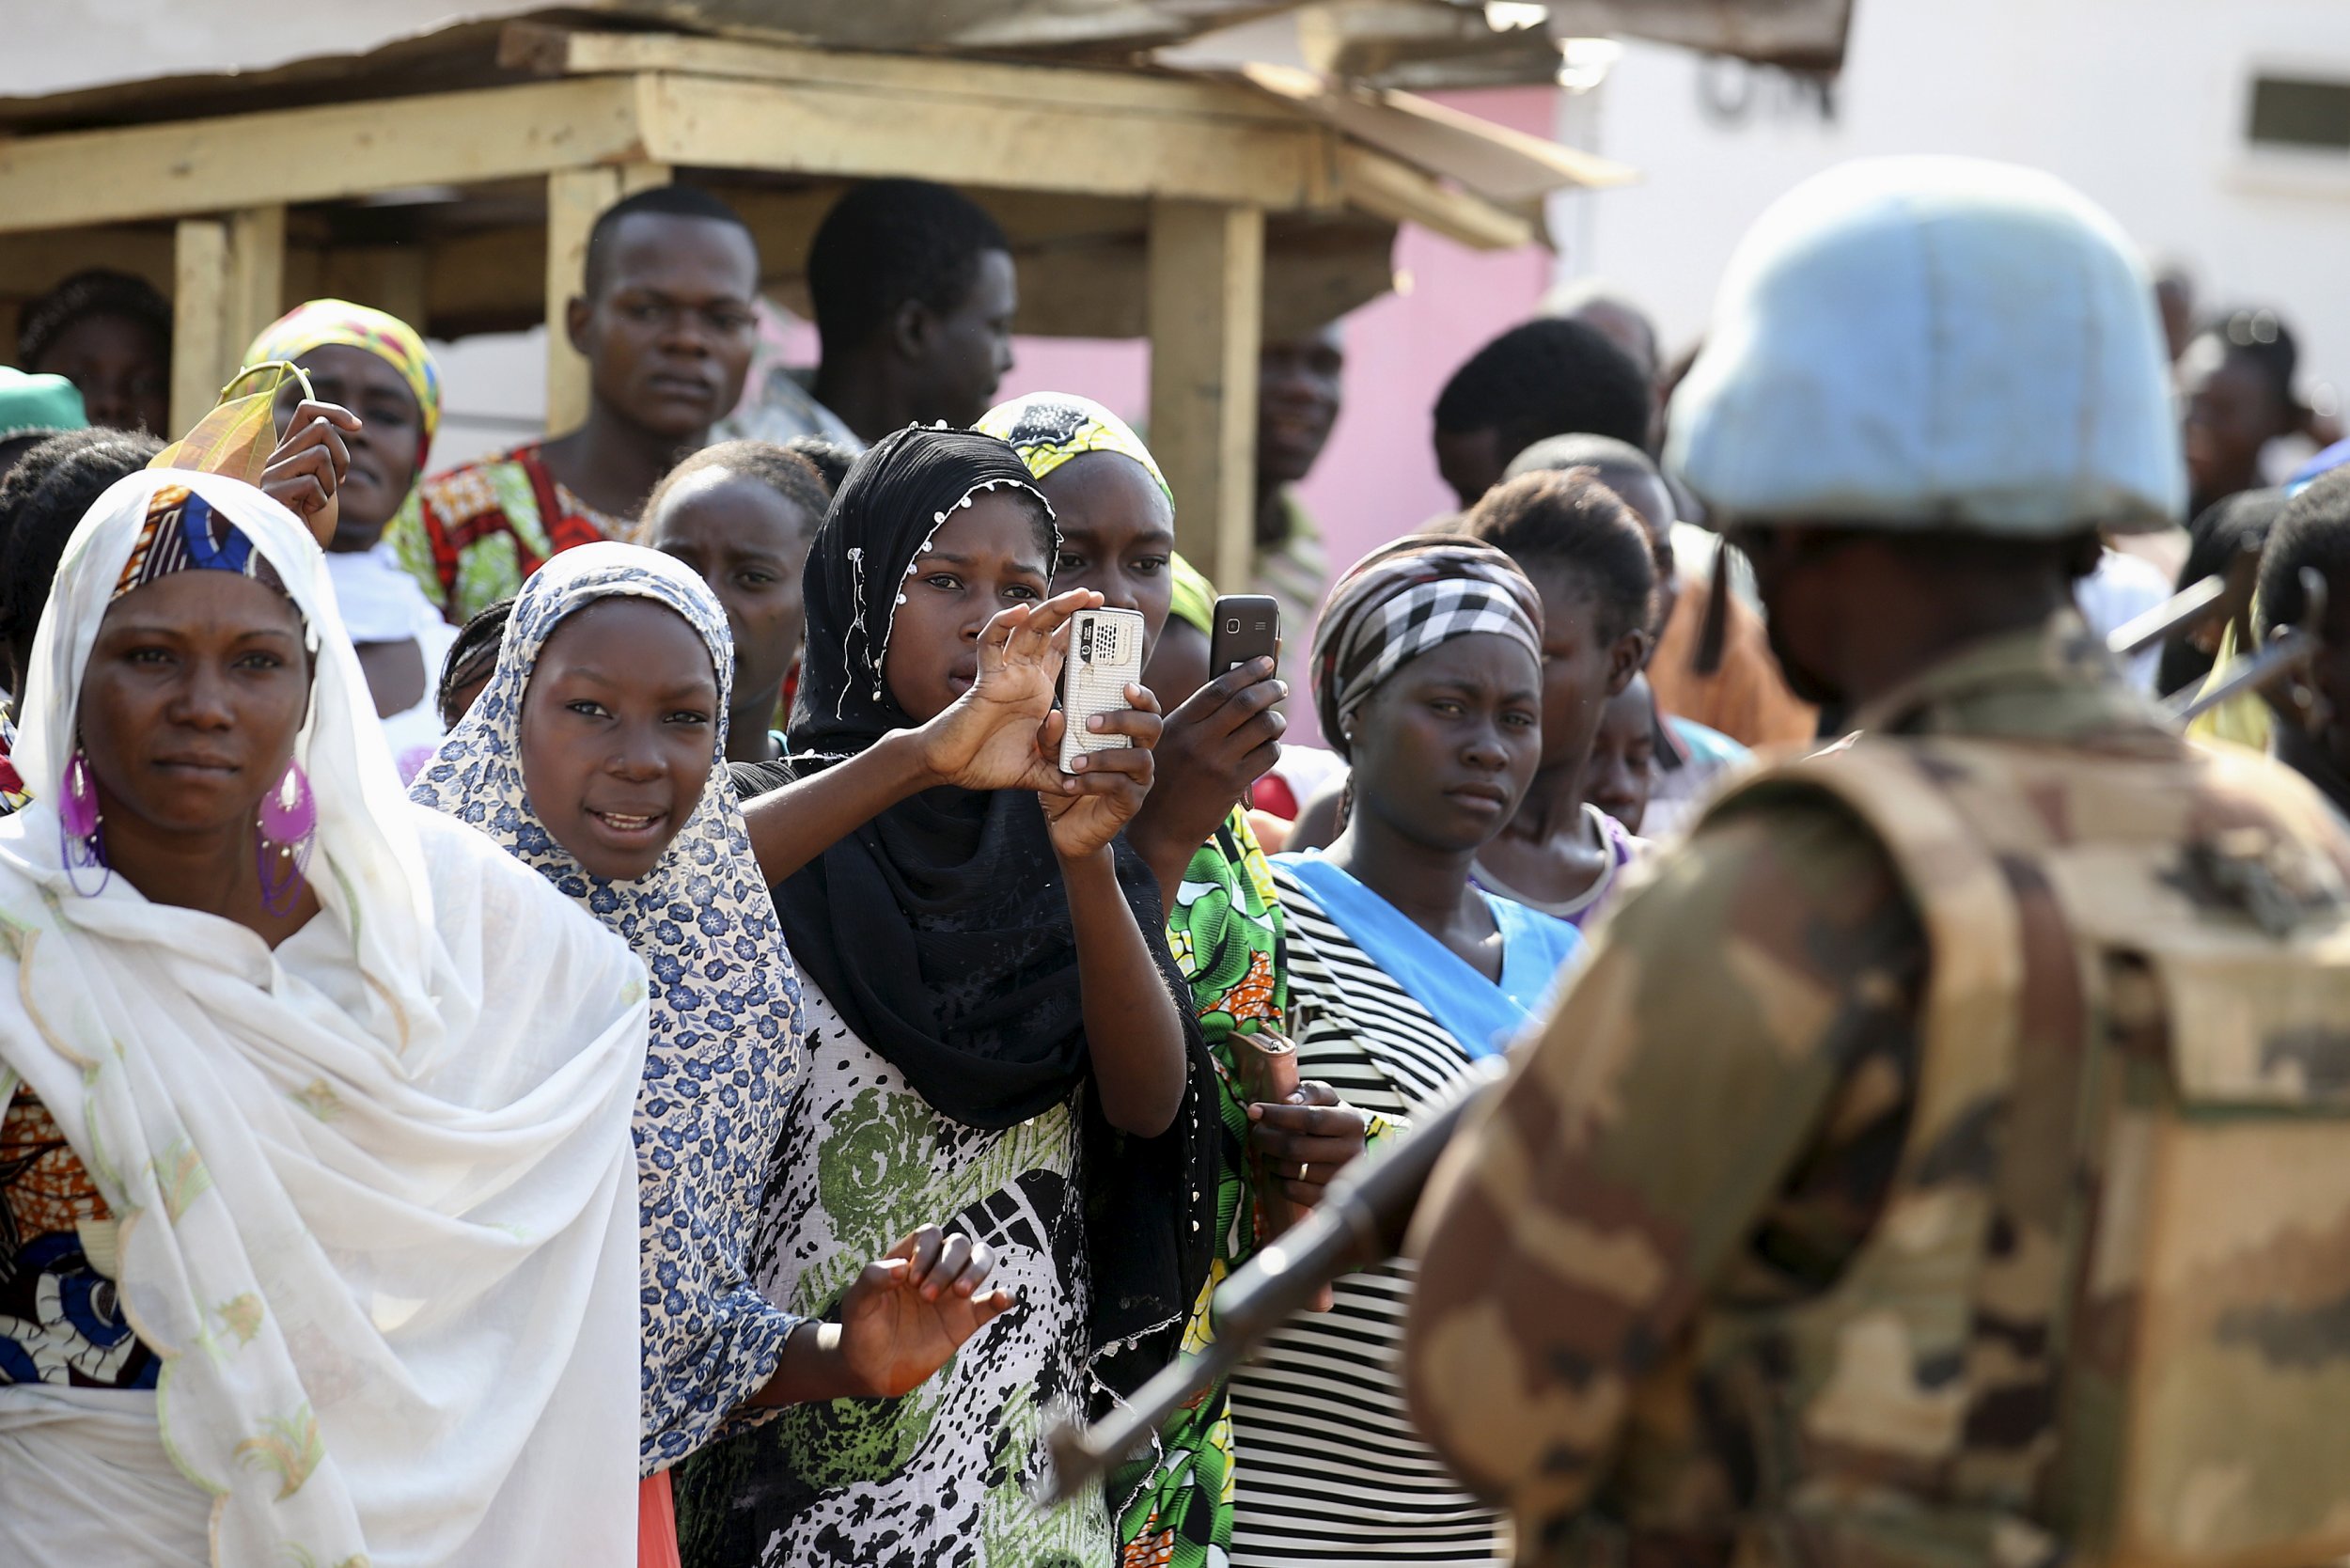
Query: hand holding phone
<point>1219,741</point>
<point>1105,658</point>
<point>1248,626</point>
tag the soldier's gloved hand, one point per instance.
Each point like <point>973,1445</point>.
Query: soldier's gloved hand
<point>1308,1139</point>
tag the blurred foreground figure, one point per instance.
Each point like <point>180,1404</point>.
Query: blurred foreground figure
<point>1946,1158</point>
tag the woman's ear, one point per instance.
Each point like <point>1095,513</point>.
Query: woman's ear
<point>1626,657</point>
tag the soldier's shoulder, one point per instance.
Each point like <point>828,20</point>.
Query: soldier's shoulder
<point>1778,862</point>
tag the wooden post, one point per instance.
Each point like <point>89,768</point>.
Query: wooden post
<point>228,283</point>
<point>1206,299</point>
<point>257,276</point>
<point>574,199</point>
<point>199,325</point>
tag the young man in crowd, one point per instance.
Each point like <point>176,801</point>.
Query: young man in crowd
<point>1597,302</point>
<point>914,290</point>
<point>665,319</point>
<point>1744,696</point>
<point>1299,396</point>
<point>1545,377</point>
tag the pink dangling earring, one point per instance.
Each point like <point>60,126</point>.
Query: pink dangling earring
<point>79,821</point>
<point>289,825</point>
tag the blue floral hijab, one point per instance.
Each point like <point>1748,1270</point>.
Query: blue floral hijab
<point>724,1059</point>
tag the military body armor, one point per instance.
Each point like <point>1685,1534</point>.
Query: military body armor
<point>2105,1314</point>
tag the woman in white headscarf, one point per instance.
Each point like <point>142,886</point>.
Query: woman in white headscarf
<point>318,1205</point>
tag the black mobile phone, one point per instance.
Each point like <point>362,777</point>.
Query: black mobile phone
<point>1248,626</point>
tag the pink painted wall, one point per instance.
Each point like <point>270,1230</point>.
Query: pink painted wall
<point>1377,479</point>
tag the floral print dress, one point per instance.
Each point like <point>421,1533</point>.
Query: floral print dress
<point>938,1476</point>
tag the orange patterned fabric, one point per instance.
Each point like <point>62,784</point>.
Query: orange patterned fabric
<point>45,1188</point>
<point>60,1321</point>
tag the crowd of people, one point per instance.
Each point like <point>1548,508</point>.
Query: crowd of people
<point>568,1011</point>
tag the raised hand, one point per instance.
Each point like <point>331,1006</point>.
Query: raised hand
<point>308,465</point>
<point>913,1309</point>
<point>1085,808</point>
<point>1217,743</point>
<point>989,739</point>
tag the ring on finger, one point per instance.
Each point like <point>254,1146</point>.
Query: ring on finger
<point>1302,1169</point>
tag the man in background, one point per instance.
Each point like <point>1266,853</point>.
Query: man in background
<point>1545,377</point>
<point>1599,303</point>
<point>1298,397</point>
<point>664,319</point>
<point>914,292</point>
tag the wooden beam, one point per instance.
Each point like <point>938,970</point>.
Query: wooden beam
<point>865,132</point>
<point>575,197</point>
<point>1206,287</point>
<point>231,162</point>
<point>1392,189</point>
<point>555,50</point>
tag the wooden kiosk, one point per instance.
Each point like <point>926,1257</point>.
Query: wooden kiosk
<point>451,180</point>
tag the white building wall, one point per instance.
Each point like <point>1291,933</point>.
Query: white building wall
<point>2141,103</point>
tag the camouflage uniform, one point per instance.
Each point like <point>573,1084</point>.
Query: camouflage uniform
<point>1854,1250</point>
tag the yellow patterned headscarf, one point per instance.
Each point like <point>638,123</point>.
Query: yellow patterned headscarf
<point>322,324</point>
<point>1047,428</point>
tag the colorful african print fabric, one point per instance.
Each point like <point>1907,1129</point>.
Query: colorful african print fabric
<point>1047,428</point>
<point>185,532</point>
<point>1174,1507</point>
<point>483,527</point>
<point>61,1320</point>
<point>12,791</point>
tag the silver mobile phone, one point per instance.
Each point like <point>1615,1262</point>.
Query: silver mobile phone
<point>1105,658</point>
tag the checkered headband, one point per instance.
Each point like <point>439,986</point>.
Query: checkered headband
<point>1403,600</point>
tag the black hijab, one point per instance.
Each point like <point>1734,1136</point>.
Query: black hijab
<point>940,929</point>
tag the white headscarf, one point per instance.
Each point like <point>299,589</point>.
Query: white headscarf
<point>377,1209</point>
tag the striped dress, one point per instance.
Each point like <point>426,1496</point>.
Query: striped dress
<point>1330,1469</point>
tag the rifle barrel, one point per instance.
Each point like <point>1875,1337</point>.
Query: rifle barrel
<point>1360,1220</point>
<point>2183,609</point>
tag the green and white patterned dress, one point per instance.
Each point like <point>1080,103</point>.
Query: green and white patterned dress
<point>1174,1503</point>
<point>938,1476</point>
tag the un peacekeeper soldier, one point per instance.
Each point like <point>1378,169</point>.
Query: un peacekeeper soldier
<point>1943,1160</point>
